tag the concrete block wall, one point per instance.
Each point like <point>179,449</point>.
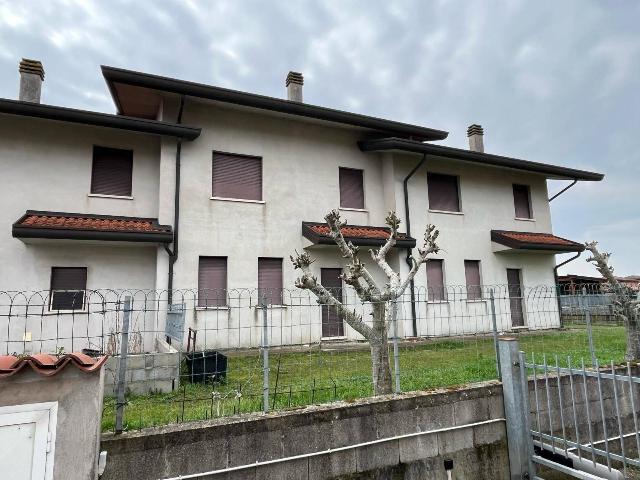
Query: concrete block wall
<point>479,452</point>
<point>146,372</point>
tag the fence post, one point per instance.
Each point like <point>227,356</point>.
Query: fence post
<point>516,407</point>
<point>494,326</point>
<point>396,354</point>
<point>122,364</point>
<point>265,355</point>
<point>587,318</point>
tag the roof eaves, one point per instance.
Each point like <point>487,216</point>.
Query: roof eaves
<point>552,171</point>
<point>193,89</point>
<point>99,119</point>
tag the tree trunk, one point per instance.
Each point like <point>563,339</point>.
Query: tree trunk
<point>380,352</point>
<point>633,335</point>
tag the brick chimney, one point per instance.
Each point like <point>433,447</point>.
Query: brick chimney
<point>294,86</point>
<point>475,134</point>
<point>31,78</point>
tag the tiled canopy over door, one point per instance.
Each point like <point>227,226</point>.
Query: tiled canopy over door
<point>236,176</point>
<point>212,282</point>
<point>270,280</point>
<point>332,325</point>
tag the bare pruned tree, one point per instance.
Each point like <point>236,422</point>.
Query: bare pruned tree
<point>360,279</point>
<point>625,301</point>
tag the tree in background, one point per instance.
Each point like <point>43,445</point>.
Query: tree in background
<point>381,297</point>
<point>625,300</point>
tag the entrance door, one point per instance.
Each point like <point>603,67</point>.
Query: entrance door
<point>26,438</point>
<point>332,325</point>
<point>514,279</point>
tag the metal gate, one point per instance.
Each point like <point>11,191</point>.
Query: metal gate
<point>564,417</point>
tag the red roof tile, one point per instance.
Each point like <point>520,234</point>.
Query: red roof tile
<point>359,234</point>
<point>532,240</point>
<point>101,223</point>
<point>49,365</point>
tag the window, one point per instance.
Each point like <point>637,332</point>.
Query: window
<point>351,188</point>
<point>270,280</point>
<point>111,171</point>
<point>472,276</point>
<point>236,176</point>
<point>443,192</point>
<point>212,282</point>
<point>68,285</point>
<point>522,201</point>
<point>435,281</point>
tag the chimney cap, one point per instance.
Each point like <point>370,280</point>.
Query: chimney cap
<point>32,66</point>
<point>475,129</point>
<point>294,77</point>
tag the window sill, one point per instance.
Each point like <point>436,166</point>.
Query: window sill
<point>238,200</point>
<point>525,219</point>
<point>272,307</point>
<point>203,309</point>
<point>445,212</point>
<point>340,338</point>
<point>477,300</point>
<point>66,312</point>
<point>347,209</point>
<point>117,197</point>
<point>437,302</point>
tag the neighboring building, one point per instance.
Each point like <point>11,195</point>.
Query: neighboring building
<point>192,186</point>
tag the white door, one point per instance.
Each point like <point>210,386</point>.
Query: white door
<point>26,438</point>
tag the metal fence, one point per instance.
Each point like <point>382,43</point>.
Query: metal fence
<point>197,354</point>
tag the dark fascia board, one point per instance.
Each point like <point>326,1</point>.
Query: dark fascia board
<point>315,238</point>
<point>551,171</point>
<point>20,231</point>
<point>85,117</point>
<point>498,237</point>
<point>181,87</point>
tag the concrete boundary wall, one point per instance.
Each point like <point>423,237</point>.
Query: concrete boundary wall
<point>478,452</point>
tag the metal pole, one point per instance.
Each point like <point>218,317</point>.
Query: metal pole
<point>122,364</point>
<point>396,354</point>
<point>494,324</point>
<point>587,317</point>
<point>265,355</point>
<point>516,408</point>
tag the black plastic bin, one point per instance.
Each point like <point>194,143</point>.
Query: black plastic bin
<point>206,366</point>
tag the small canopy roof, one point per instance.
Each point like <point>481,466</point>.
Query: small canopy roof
<point>509,241</point>
<point>360,235</point>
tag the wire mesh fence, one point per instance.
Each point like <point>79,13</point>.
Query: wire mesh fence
<point>199,354</point>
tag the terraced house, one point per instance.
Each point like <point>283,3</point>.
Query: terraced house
<point>192,186</point>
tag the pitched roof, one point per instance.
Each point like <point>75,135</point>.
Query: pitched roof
<point>118,77</point>
<point>49,365</point>
<point>362,235</point>
<point>78,226</point>
<point>534,241</point>
<point>405,145</point>
<point>72,115</point>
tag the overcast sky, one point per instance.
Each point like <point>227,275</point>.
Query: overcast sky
<point>550,81</point>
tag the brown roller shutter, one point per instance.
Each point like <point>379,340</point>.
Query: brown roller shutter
<point>351,188</point>
<point>212,282</point>
<point>236,176</point>
<point>68,285</point>
<point>443,192</point>
<point>112,171</point>
<point>435,281</point>
<point>522,201</point>
<point>472,276</point>
<point>270,280</point>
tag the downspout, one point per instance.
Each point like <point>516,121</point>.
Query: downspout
<point>173,254</point>
<point>555,279</point>
<point>409,260</point>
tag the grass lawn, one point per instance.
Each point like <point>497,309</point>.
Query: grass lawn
<point>320,376</point>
